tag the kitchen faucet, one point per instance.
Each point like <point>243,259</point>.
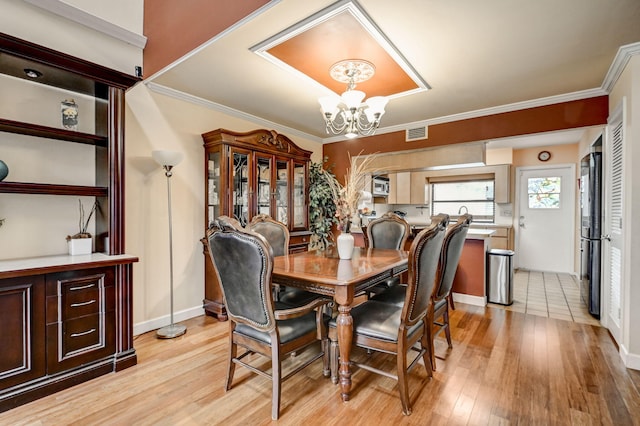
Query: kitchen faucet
<point>466,210</point>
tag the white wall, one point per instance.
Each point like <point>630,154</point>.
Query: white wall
<point>156,121</point>
<point>628,87</point>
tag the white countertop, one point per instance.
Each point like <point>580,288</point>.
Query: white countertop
<point>35,263</point>
<point>479,234</point>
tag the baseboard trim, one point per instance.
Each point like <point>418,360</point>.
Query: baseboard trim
<point>630,360</point>
<point>156,323</point>
<point>469,299</point>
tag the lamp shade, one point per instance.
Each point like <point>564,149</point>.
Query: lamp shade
<point>167,158</point>
<point>352,98</point>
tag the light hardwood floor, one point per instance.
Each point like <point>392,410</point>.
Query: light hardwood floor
<point>505,367</point>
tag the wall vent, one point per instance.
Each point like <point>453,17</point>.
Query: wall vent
<point>416,134</point>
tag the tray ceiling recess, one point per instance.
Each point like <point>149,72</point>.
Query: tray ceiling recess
<point>339,32</point>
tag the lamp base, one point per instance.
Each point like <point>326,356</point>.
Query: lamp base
<point>171,331</point>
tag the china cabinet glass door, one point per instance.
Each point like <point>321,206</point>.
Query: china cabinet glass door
<point>281,192</point>
<point>263,173</point>
<point>299,205</point>
<point>241,188</point>
<point>213,185</point>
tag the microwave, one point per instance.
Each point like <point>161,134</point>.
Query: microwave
<point>380,186</point>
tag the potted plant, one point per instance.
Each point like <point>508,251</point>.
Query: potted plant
<point>82,243</point>
<point>322,209</point>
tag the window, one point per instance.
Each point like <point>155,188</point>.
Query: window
<point>544,192</point>
<point>453,197</point>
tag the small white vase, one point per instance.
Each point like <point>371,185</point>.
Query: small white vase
<point>345,244</point>
<point>80,246</point>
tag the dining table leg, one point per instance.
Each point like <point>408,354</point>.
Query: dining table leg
<point>344,326</point>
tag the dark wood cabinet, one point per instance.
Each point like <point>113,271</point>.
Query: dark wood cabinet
<point>23,331</point>
<point>65,318</point>
<point>80,317</point>
<point>63,324</point>
<point>246,174</point>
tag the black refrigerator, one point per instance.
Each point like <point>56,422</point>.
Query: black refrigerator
<point>591,231</point>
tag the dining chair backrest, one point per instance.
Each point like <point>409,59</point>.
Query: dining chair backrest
<point>243,262</point>
<point>389,231</point>
<point>276,233</point>
<point>423,267</point>
<point>450,256</point>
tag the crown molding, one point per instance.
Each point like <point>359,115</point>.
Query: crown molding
<point>619,63</point>
<point>533,103</point>
<point>177,94</point>
<point>81,17</point>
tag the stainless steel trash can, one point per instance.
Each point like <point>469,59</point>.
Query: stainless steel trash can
<point>500,276</point>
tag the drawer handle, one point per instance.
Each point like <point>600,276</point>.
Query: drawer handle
<point>84,333</point>
<point>75,305</point>
<point>82,287</point>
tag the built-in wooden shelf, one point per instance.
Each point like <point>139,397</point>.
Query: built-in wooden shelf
<point>51,132</point>
<point>52,189</point>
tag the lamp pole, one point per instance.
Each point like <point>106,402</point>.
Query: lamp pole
<point>168,160</point>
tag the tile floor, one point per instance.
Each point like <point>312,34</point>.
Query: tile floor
<point>548,294</point>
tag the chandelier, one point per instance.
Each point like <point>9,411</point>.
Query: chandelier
<point>347,113</point>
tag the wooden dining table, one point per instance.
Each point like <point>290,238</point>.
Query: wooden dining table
<point>323,272</point>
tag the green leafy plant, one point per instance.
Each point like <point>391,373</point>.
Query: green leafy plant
<point>322,208</point>
<point>83,224</point>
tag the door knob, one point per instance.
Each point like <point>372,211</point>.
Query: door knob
<point>606,237</point>
<point>521,222</point>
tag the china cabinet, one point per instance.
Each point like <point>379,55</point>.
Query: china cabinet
<point>66,319</point>
<point>257,172</point>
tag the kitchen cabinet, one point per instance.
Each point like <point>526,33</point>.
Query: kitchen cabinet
<point>399,188</point>
<point>502,238</point>
<point>407,188</point>
<point>47,344</point>
<point>246,174</point>
<point>419,190</point>
<point>502,185</point>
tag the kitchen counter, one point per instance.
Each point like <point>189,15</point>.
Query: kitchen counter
<point>469,283</point>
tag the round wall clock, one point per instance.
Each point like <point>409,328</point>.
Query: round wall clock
<point>544,155</point>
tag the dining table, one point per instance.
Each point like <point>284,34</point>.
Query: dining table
<point>323,272</point>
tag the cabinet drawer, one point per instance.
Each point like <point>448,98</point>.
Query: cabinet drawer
<point>501,232</point>
<point>72,295</point>
<point>81,333</point>
<point>79,341</point>
<point>298,243</point>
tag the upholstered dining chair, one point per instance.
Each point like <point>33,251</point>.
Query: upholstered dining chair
<point>243,262</point>
<point>450,258</point>
<point>277,235</point>
<point>448,264</point>
<point>389,231</point>
<point>394,329</point>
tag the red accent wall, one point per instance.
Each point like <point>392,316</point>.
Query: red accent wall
<point>470,276</point>
<point>174,28</point>
<point>561,116</point>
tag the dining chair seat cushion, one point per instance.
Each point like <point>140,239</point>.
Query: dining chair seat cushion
<point>296,297</point>
<point>289,329</point>
<point>378,320</point>
<point>440,304</point>
<point>393,295</point>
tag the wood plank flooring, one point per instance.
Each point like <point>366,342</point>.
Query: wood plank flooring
<point>505,368</point>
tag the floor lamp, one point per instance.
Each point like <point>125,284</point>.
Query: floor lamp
<point>169,159</point>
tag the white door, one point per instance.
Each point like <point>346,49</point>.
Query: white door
<point>613,209</point>
<point>545,232</point>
